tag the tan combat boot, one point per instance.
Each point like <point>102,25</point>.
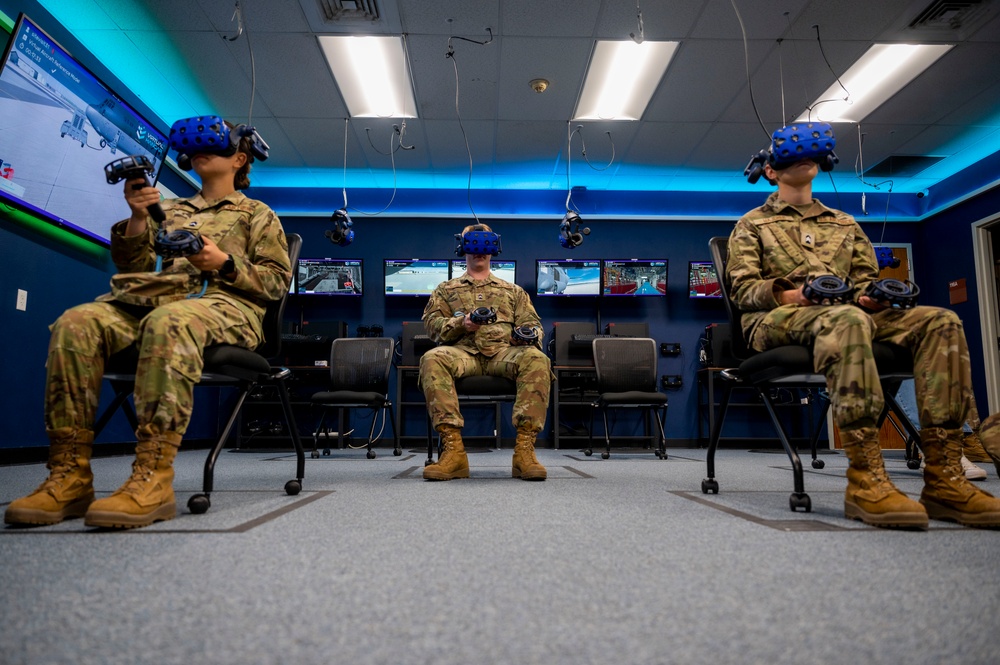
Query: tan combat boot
<point>948,494</point>
<point>68,490</point>
<point>989,436</point>
<point>148,495</point>
<point>453,462</point>
<point>525,465</point>
<point>972,448</point>
<point>871,497</point>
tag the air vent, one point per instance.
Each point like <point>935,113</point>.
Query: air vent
<point>902,166</point>
<point>337,11</point>
<point>951,15</point>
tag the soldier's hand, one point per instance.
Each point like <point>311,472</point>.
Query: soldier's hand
<point>209,258</point>
<point>872,305</point>
<point>469,325</point>
<point>794,297</point>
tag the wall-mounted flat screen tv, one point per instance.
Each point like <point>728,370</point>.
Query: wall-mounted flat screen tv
<point>568,277</point>
<point>329,277</point>
<point>414,277</point>
<point>59,127</point>
<point>502,268</point>
<point>703,281</point>
<point>634,277</point>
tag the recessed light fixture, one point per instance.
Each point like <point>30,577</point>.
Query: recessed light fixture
<point>372,74</point>
<point>878,75</point>
<point>621,79</point>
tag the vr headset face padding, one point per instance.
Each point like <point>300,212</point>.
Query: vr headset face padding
<point>209,134</point>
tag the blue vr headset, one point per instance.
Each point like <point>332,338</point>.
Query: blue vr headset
<point>341,234</point>
<point>793,143</point>
<point>478,242</point>
<point>209,134</point>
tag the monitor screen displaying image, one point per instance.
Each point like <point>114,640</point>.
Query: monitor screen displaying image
<point>59,127</point>
<point>568,277</point>
<point>634,277</point>
<point>414,277</point>
<point>329,277</point>
<point>503,269</point>
<point>703,281</point>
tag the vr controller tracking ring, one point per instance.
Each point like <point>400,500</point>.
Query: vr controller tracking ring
<point>894,292</point>
<point>130,168</point>
<point>828,289</point>
<point>482,316</point>
<point>523,335</point>
<point>173,244</point>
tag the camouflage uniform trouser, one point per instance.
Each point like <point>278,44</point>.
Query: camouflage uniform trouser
<point>841,337</point>
<point>525,365</point>
<point>171,339</point>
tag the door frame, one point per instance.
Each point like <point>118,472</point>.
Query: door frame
<point>986,279</point>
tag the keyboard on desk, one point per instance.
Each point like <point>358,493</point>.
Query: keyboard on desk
<point>589,338</point>
<point>298,337</point>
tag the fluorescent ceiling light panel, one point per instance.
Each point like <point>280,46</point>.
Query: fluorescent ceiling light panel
<point>372,74</point>
<point>622,78</point>
<point>878,75</point>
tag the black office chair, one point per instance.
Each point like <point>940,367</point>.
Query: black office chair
<point>789,367</point>
<point>626,379</point>
<point>359,378</point>
<point>478,390</point>
<point>225,365</point>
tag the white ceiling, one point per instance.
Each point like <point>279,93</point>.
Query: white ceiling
<point>689,148</point>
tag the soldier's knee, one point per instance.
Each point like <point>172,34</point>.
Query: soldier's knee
<point>849,316</point>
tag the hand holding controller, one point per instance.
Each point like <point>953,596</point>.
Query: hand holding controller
<point>131,168</point>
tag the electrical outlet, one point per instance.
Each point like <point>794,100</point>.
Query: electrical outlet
<point>22,300</point>
<point>670,348</point>
<point>671,381</point>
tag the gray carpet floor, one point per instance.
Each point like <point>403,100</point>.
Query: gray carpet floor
<point>614,561</point>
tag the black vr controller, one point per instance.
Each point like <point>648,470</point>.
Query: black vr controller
<point>482,316</point>
<point>570,233</point>
<point>828,290</point>
<point>130,168</point>
<point>523,336</point>
<point>178,243</point>
<point>893,292</point>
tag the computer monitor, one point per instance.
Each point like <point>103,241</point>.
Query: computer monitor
<point>568,277</point>
<point>414,277</point>
<point>329,277</point>
<point>505,269</point>
<point>703,280</point>
<point>59,126</point>
<point>634,277</point>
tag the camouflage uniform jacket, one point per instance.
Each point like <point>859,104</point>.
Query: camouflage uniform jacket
<point>243,227</point>
<point>511,302</point>
<point>775,247</point>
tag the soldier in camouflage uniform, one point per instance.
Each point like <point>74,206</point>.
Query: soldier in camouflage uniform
<point>245,262</point>
<point>772,250</point>
<point>467,349</point>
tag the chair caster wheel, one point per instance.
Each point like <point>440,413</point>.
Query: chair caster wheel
<point>315,454</point>
<point>199,504</point>
<point>428,462</point>
<point>397,452</point>
<point>797,500</point>
<point>818,464</point>
<point>293,487</point>
<point>710,485</point>
<point>326,451</point>
<point>913,464</point>
<point>605,455</point>
<point>588,452</point>
<point>371,454</point>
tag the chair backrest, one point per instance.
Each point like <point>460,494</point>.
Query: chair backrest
<point>275,313</point>
<point>625,363</point>
<point>719,248</point>
<point>361,364</point>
